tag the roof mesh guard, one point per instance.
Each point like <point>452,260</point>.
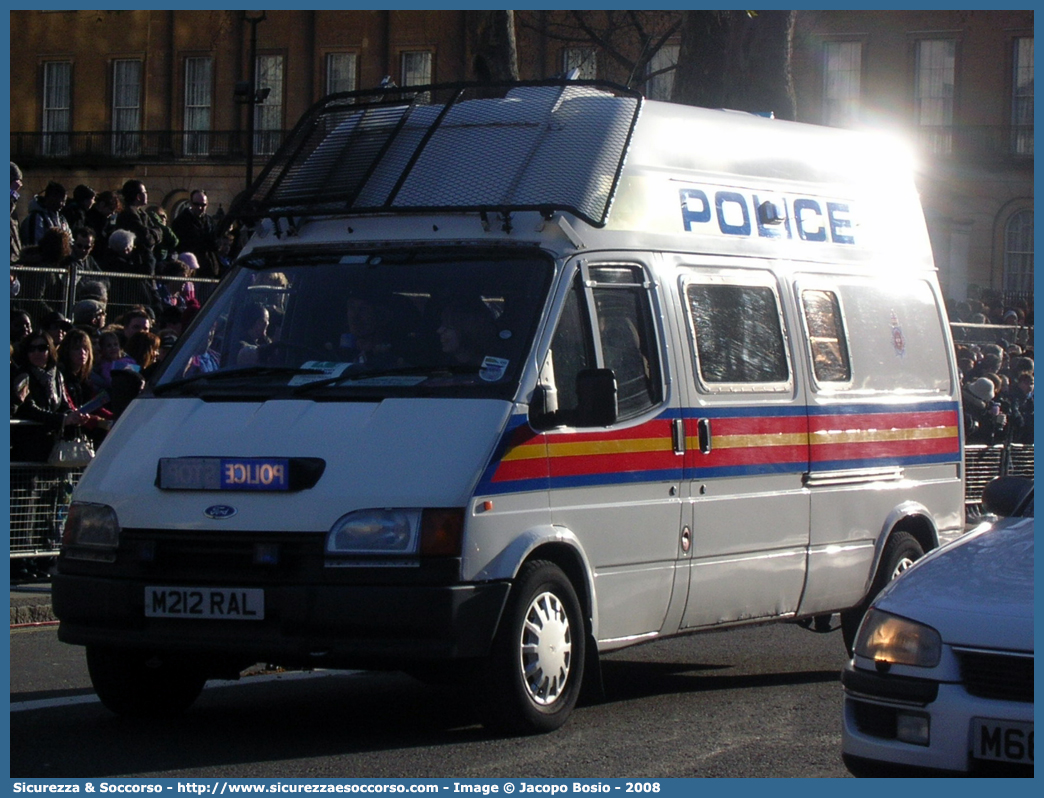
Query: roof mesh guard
<point>540,145</point>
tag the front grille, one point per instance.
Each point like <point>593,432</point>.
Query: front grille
<point>1001,675</point>
<point>202,555</point>
<point>258,558</point>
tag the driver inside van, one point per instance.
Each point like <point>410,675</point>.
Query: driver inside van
<point>367,341</point>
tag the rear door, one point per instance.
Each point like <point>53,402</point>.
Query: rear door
<point>747,448</point>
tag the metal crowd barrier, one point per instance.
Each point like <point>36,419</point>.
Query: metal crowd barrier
<point>42,290</point>
<point>964,333</point>
<point>984,462</point>
<point>40,497</point>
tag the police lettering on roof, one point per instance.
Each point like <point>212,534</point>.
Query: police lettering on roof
<point>713,210</point>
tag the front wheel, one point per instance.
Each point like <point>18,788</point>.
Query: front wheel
<point>141,684</point>
<point>901,551</point>
<point>533,674</point>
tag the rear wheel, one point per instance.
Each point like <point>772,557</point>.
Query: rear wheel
<point>142,684</point>
<point>532,677</point>
<point>901,551</point>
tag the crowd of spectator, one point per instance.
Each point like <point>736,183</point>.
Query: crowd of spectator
<point>997,392</point>
<point>60,365</point>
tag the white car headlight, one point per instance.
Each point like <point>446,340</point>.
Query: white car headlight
<point>92,532</point>
<point>887,638</point>
<point>375,532</point>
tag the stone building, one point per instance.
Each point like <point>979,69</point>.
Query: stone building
<point>98,97</point>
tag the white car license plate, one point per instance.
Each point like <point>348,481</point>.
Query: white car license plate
<point>1002,740</point>
<point>240,603</point>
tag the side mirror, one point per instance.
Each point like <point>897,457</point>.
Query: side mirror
<point>596,398</point>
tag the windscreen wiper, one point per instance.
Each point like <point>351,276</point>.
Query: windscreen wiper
<point>356,374</point>
<point>249,371</point>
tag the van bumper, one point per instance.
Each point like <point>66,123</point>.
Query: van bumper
<point>367,626</point>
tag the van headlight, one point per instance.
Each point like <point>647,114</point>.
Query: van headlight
<point>429,532</point>
<point>887,638</point>
<point>375,532</point>
<point>92,532</point>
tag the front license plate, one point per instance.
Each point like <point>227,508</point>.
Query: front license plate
<point>244,604</point>
<point>1002,740</point>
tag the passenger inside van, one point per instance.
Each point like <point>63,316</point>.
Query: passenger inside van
<point>255,335</point>
<point>467,333</point>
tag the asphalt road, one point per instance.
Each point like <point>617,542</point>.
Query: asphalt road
<point>755,702</point>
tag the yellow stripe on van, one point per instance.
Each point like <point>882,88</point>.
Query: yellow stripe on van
<point>529,451</point>
<point>619,446</point>
<point>748,441</point>
<point>822,437</point>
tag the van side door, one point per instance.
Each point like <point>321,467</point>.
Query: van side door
<point>615,480</point>
<point>747,441</point>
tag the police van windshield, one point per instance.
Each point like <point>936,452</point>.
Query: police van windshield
<point>326,325</point>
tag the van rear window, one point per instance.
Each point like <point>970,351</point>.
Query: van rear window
<point>826,336</point>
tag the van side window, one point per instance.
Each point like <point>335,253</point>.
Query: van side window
<point>826,336</point>
<point>738,335</point>
<point>626,336</point>
<point>615,301</point>
<point>571,353</point>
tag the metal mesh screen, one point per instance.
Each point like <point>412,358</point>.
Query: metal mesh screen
<point>522,146</point>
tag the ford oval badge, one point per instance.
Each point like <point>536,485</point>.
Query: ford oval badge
<point>219,511</point>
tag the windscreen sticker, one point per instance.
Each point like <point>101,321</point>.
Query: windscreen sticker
<point>493,368</point>
<point>324,370</point>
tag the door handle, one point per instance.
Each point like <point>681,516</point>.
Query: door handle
<point>678,435</point>
<point>703,431</point>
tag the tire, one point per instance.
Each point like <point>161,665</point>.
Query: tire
<point>143,685</point>
<point>901,551</point>
<point>532,677</point>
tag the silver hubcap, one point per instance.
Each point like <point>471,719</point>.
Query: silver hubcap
<point>901,566</point>
<point>546,649</point>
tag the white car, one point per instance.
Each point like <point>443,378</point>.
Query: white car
<point>941,681</point>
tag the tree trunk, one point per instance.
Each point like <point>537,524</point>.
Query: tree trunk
<point>732,59</point>
<point>491,45</point>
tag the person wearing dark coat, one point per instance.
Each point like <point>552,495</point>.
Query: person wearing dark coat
<point>75,210</point>
<point>136,218</point>
<point>197,233</point>
<point>45,400</point>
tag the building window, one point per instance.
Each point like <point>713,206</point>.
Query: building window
<point>1018,253</point>
<point>340,72</point>
<point>126,107</point>
<point>416,71</point>
<point>842,72</point>
<point>660,84</point>
<point>198,98</point>
<point>933,93</point>
<point>268,114</point>
<point>582,59</point>
<point>1022,99</point>
<point>57,107</point>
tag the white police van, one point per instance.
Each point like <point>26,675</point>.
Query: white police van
<point>511,376</point>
